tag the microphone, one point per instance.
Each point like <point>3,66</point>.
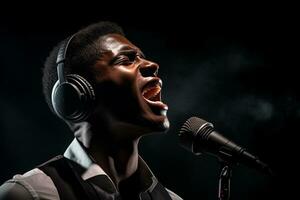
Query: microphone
<point>199,136</point>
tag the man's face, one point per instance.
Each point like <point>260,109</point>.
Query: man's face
<point>127,85</point>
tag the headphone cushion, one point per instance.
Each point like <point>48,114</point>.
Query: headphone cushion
<point>72,100</point>
<point>85,86</point>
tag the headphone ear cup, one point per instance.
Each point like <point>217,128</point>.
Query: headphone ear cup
<point>73,100</point>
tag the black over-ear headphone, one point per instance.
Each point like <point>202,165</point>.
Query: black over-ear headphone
<point>72,95</point>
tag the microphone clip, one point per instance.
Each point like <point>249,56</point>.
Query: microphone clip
<point>224,182</point>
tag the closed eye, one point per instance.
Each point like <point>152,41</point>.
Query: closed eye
<point>125,57</point>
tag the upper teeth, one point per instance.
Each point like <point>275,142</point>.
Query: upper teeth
<point>155,90</point>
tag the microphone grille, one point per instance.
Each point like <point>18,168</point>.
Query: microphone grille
<point>188,133</point>
<point>192,125</point>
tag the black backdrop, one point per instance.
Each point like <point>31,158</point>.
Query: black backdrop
<point>234,69</point>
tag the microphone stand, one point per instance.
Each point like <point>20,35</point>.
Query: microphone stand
<point>224,181</point>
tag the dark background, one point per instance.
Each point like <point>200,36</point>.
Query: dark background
<point>238,70</point>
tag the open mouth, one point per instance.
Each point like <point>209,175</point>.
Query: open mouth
<point>151,91</point>
<point>152,94</point>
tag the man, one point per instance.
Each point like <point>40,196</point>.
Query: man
<point>122,102</point>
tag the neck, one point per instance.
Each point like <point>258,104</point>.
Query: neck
<point>117,155</point>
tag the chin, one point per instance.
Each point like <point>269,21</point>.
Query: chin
<point>156,124</point>
<point>164,126</point>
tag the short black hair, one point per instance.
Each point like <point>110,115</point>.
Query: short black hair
<point>82,53</point>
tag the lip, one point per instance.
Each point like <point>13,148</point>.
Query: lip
<point>151,81</point>
<point>154,104</point>
<point>159,104</point>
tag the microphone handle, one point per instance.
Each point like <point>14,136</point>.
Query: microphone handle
<point>228,151</point>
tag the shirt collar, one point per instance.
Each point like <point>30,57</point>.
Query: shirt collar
<point>76,153</point>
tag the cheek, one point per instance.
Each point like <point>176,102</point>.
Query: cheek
<point>119,78</point>
<point>118,90</point>
<point>123,76</point>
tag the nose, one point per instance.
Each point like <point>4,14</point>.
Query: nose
<point>148,68</point>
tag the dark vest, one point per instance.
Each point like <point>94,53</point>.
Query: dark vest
<point>71,186</point>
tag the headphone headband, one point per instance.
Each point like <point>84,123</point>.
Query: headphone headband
<point>61,57</point>
<point>62,52</point>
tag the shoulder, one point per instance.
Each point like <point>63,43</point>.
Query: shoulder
<point>14,191</point>
<point>173,195</point>
<point>34,184</point>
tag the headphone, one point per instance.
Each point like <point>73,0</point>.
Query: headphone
<point>72,95</point>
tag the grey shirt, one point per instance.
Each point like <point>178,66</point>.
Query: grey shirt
<point>35,184</point>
